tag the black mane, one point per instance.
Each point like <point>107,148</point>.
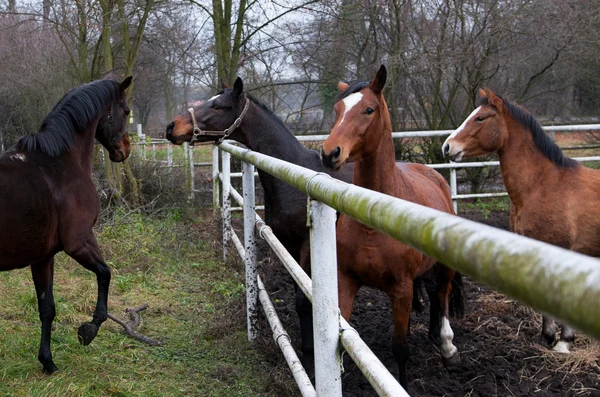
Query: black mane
<point>540,139</point>
<point>353,86</point>
<point>70,115</point>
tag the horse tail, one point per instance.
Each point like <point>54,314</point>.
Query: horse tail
<point>457,302</point>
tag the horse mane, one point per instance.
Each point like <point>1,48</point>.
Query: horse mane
<point>541,140</point>
<point>70,115</point>
<point>353,86</point>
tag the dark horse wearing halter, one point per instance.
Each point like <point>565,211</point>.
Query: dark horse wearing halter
<point>50,202</point>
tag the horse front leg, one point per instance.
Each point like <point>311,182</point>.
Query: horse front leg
<point>401,297</point>
<point>43,278</point>
<point>88,255</point>
<point>567,336</point>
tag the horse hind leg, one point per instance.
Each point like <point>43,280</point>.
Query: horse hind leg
<point>548,330</point>
<point>450,355</point>
<point>567,336</point>
<point>43,278</point>
<point>88,256</point>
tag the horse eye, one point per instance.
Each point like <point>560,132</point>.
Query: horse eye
<point>369,110</point>
<point>127,111</point>
<point>479,118</point>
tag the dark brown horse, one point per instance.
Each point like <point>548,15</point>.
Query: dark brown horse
<point>362,133</point>
<point>553,198</point>
<point>50,202</point>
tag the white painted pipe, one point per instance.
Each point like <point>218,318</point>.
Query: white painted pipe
<point>225,166</point>
<point>282,338</point>
<point>215,177</point>
<point>250,246</point>
<point>326,317</point>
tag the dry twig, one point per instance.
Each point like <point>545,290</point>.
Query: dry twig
<point>134,322</point>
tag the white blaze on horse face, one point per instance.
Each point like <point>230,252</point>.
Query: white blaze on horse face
<point>216,96</point>
<point>446,334</point>
<point>349,102</point>
<point>457,147</point>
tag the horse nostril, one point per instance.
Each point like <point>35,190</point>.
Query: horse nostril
<point>170,129</point>
<point>335,154</point>
<point>445,149</point>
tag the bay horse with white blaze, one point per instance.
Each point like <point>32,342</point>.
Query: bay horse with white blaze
<point>553,198</point>
<point>49,201</point>
<point>362,133</point>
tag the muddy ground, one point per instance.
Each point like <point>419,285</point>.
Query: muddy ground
<point>498,339</point>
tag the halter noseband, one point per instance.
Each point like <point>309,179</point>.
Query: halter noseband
<point>198,132</point>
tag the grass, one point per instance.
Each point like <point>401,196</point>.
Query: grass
<point>195,308</point>
<point>486,205</point>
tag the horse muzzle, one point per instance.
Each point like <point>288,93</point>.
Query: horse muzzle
<point>453,152</point>
<point>333,160</point>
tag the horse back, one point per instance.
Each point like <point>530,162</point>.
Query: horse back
<point>424,185</point>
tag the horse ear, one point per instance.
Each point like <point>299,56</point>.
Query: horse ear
<point>125,83</point>
<point>342,86</point>
<point>494,100</point>
<point>109,76</point>
<point>238,87</point>
<point>224,84</point>
<point>379,81</point>
<point>482,93</point>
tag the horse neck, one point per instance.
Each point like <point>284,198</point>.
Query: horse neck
<point>82,151</point>
<point>264,134</point>
<point>522,163</point>
<point>378,171</point>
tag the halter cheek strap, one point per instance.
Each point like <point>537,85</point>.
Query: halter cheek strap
<point>198,132</point>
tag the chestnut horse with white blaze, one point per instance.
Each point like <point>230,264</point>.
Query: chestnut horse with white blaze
<point>362,133</point>
<point>553,198</point>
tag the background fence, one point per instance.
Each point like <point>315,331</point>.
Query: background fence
<point>155,149</point>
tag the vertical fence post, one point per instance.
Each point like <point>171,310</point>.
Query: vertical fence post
<point>192,172</point>
<point>250,247</point>
<point>326,320</point>
<point>553,136</point>
<point>454,189</point>
<point>169,156</point>
<point>215,178</point>
<point>153,151</point>
<point>225,165</point>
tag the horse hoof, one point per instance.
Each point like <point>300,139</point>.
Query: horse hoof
<point>451,361</point>
<point>86,333</point>
<point>561,347</point>
<point>50,369</point>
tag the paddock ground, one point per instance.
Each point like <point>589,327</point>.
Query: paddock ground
<point>498,339</point>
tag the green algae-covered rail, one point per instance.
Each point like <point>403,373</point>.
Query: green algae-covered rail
<point>550,279</point>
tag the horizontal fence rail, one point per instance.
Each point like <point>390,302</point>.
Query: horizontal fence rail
<point>153,143</point>
<point>559,282</point>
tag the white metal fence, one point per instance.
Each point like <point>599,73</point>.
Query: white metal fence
<point>556,281</point>
<point>148,149</point>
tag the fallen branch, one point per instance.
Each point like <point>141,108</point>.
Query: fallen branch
<point>134,322</point>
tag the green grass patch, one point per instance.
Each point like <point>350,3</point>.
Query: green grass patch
<point>196,308</point>
<point>487,205</point>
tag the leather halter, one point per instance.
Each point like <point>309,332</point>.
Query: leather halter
<point>198,132</point>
